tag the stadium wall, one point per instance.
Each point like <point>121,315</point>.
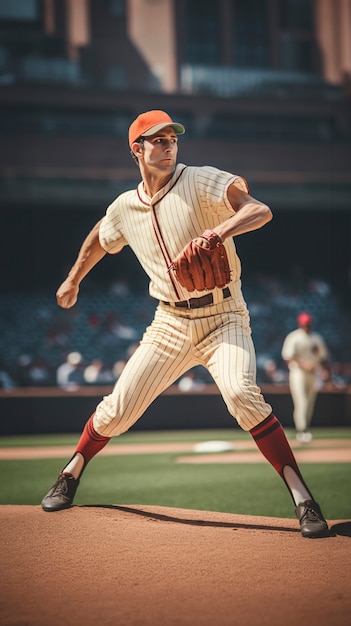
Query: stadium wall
<point>54,410</point>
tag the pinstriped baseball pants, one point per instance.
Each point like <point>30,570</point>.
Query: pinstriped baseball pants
<point>304,394</point>
<point>216,336</point>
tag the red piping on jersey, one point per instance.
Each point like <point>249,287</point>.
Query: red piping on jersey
<point>140,198</point>
<point>163,248</point>
<point>160,239</point>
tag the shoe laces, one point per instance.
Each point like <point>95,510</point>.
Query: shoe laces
<point>311,514</point>
<point>61,487</point>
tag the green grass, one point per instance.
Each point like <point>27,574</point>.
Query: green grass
<point>157,479</point>
<point>161,436</point>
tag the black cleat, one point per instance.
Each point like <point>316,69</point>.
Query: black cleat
<point>312,522</point>
<point>61,493</point>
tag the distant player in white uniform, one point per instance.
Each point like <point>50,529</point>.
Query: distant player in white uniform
<point>306,355</point>
<point>172,206</point>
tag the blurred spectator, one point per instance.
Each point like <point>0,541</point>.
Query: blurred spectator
<point>22,370</point>
<point>341,374</point>
<point>118,367</point>
<point>40,373</point>
<point>97,373</point>
<point>120,288</point>
<point>272,373</point>
<point>131,349</point>
<point>57,333</point>
<point>190,382</point>
<point>117,327</point>
<point>123,331</point>
<point>70,374</point>
<point>114,332</point>
<point>6,381</point>
<point>320,287</point>
<point>33,371</point>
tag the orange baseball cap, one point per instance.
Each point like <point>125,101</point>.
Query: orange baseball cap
<point>304,318</point>
<point>151,122</point>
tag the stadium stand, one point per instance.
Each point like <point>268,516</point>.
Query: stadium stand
<point>106,325</point>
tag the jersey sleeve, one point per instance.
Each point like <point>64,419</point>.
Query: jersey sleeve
<point>288,349</point>
<point>213,185</point>
<point>110,232</point>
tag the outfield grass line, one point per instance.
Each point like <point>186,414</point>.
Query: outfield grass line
<point>334,450</point>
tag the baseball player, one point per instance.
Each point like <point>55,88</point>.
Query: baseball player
<point>180,222</point>
<point>306,354</point>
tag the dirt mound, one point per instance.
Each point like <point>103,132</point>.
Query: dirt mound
<point>157,566</point>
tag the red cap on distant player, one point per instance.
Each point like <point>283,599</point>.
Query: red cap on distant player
<point>304,318</point>
<point>150,123</point>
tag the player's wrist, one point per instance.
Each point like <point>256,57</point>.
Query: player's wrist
<point>212,237</point>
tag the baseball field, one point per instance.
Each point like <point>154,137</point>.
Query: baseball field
<point>173,528</point>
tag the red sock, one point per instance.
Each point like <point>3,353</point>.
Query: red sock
<point>271,440</point>
<point>90,442</point>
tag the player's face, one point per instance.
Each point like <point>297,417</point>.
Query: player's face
<point>160,150</point>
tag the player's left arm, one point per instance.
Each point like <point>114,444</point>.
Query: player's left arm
<point>249,214</point>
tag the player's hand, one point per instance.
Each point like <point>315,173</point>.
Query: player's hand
<point>201,242</point>
<point>67,294</point>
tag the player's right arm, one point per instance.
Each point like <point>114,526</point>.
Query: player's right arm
<point>89,255</point>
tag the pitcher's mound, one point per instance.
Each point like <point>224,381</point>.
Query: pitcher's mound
<point>156,566</point>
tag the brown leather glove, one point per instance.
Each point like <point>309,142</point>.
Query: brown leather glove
<point>202,264</point>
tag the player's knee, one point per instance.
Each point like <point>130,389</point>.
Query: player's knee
<point>248,407</point>
<point>241,395</point>
<point>106,422</point>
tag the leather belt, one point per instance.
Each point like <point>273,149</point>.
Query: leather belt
<point>197,303</point>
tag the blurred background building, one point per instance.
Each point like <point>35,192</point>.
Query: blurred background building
<point>264,90</point>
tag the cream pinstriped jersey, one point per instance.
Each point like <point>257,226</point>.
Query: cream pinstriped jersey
<point>303,350</point>
<point>157,229</point>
